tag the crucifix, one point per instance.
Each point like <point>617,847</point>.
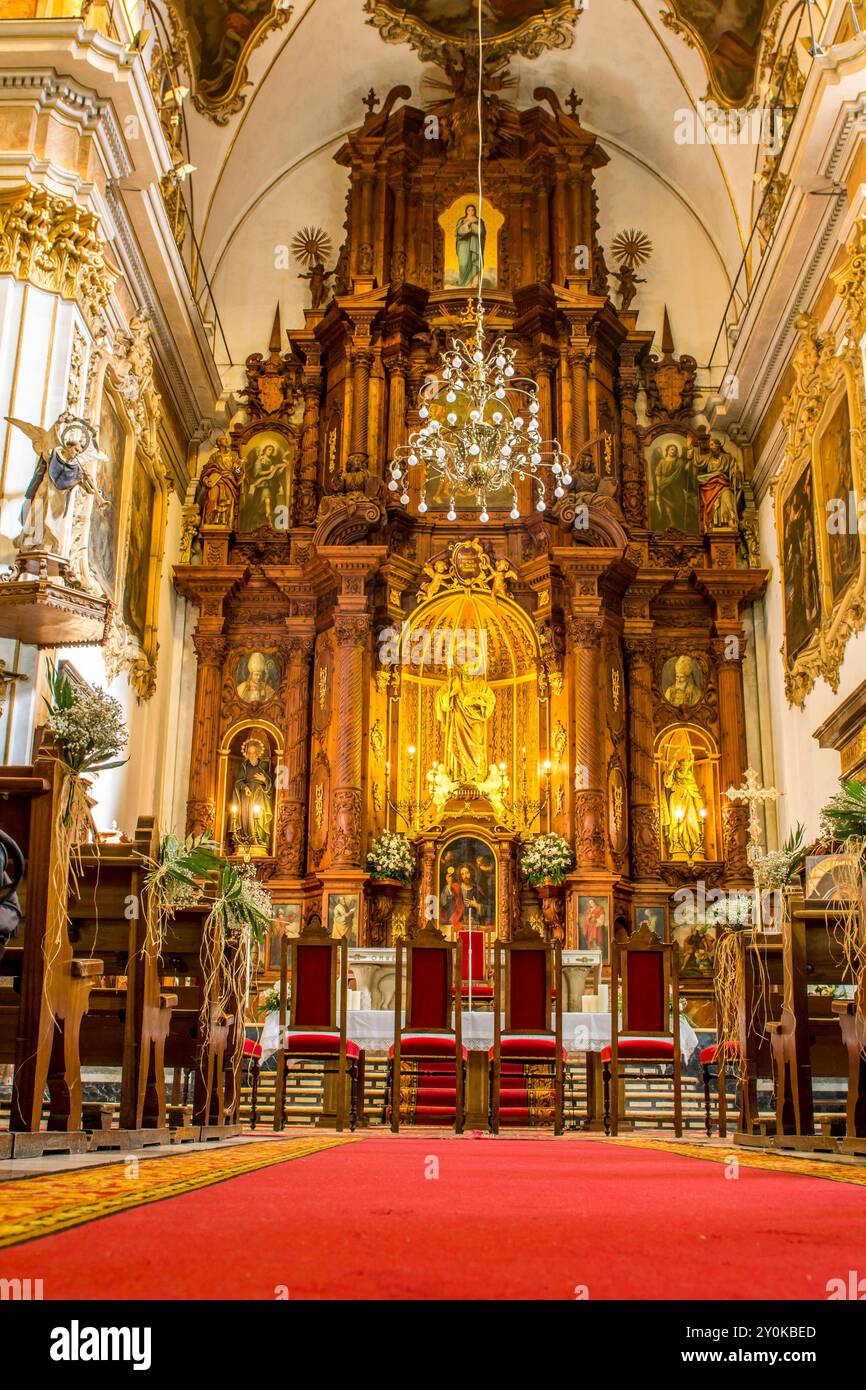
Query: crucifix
<point>754,795</point>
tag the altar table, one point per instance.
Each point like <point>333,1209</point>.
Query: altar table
<point>582,1033</point>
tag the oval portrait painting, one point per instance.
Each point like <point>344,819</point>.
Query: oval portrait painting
<point>257,677</point>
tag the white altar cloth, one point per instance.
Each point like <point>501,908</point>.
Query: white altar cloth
<point>373,1029</point>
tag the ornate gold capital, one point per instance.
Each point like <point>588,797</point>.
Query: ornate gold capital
<point>56,245</point>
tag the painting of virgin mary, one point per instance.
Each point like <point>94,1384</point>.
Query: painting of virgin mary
<point>470,238</point>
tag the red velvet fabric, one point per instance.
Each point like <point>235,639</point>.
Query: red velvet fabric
<point>642,1049</point>
<point>430,1000</point>
<point>315,1043</point>
<point>480,990</point>
<point>647,1005</point>
<point>311,987</point>
<point>529,989</point>
<point>527,1047</point>
<point>434,1045</point>
<point>479,969</point>
<point>252,1048</point>
<point>708,1054</point>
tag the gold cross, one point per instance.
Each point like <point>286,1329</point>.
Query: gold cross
<point>754,794</point>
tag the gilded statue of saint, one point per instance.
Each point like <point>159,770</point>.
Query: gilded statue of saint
<point>464,705</point>
<point>682,802</point>
<point>252,809</point>
<point>219,482</point>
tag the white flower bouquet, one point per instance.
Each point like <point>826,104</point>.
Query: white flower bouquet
<point>89,729</point>
<point>392,856</point>
<point>547,859</point>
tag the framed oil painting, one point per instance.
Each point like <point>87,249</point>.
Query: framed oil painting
<point>682,681</point>
<point>215,41</point>
<point>257,678</point>
<point>593,924</point>
<point>115,442</point>
<point>728,35</point>
<point>343,919</point>
<point>267,458</point>
<point>466,880</point>
<point>672,478</point>
<point>822,551</point>
<point>470,242</point>
<point>287,922</point>
<point>696,945</point>
<point>144,528</point>
<point>654,916</point>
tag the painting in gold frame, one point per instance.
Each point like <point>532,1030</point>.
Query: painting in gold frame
<point>729,40</point>
<point>511,25</point>
<point>824,463</point>
<point>215,41</point>
<point>115,443</point>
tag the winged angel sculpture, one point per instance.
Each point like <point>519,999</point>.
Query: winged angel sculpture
<point>59,500</point>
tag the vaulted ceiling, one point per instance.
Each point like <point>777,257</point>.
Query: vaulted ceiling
<point>269,170</point>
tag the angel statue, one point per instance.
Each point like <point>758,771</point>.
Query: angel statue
<point>58,503</point>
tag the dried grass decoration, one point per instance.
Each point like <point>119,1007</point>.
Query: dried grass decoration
<point>844,818</point>
<point>241,913</point>
<point>176,879</point>
<point>88,731</point>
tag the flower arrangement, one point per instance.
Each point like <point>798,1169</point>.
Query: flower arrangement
<point>177,878</point>
<point>90,731</point>
<point>844,816</point>
<point>777,867</point>
<point>392,856</point>
<point>242,905</point>
<point>547,859</point>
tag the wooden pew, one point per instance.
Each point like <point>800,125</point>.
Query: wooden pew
<point>51,991</point>
<point>127,1023</point>
<point>851,1014</point>
<point>761,998</point>
<point>806,1040</point>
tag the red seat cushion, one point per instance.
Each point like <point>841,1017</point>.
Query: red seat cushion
<point>642,1049</point>
<point>527,1047</point>
<point>480,990</point>
<point>427,1045</point>
<point>708,1054</point>
<point>314,1043</point>
<point>252,1048</point>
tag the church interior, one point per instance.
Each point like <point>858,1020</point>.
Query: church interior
<point>432,650</point>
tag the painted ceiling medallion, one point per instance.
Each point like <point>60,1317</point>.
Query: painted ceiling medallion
<point>214,42</point>
<point>728,35</point>
<point>508,26</point>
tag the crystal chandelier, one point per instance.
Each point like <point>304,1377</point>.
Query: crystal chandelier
<point>481,433</point>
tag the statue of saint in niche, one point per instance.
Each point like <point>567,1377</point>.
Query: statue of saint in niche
<point>721,487</point>
<point>682,810</point>
<point>220,482</point>
<point>464,705</point>
<point>252,808</point>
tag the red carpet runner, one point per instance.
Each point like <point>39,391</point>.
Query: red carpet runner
<point>427,1217</point>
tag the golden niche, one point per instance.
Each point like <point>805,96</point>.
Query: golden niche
<point>687,775</point>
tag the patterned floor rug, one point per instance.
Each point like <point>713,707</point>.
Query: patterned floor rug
<point>752,1158</point>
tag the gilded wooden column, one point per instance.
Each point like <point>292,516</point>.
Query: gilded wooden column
<point>291,822</point>
<point>396,404</point>
<point>352,632</point>
<point>589,796</point>
<point>578,359</point>
<point>428,898</point>
<point>645,845</point>
<point>210,649</point>
<point>634,500</point>
<point>733,756</point>
<point>575,198</point>
<point>306,503</point>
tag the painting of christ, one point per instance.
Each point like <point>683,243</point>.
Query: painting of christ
<point>467,885</point>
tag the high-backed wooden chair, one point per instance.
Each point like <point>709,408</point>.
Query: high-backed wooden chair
<point>475,982</point>
<point>317,1027</point>
<point>645,969</point>
<point>527,1057</point>
<point>427,1062</point>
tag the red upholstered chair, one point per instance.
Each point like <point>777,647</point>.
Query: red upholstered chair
<point>527,1057</point>
<point>475,985</point>
<point>317,1030</point>
<point>252,1060</point>
<point>645,968</point>
<point>710,1058</point>
<point>427,1063</point>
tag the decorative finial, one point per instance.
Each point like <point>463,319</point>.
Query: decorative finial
<point>573,101</point>
<point>371,101</point>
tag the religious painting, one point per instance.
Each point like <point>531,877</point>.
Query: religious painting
<point>343,916</point>
<point>216,41</point>
<point>682,681</point>
<point>105,531</point>
<point>438,495</point>
<point>287,922</point>
<point>835,469</point>
<point>267,459</point>
<point>802,587</point>
<point>257,678</point>
<point>593,924</point>
<point>136,584</point>
<point>654,916</point>
<point>672,476</point>
<point>728,34</point>
<point>687,769</point>
<point>696,945</point>
<point>471,244</point>
<point>467,885</point>
<point>250,793</point>
<point>453,21</point>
